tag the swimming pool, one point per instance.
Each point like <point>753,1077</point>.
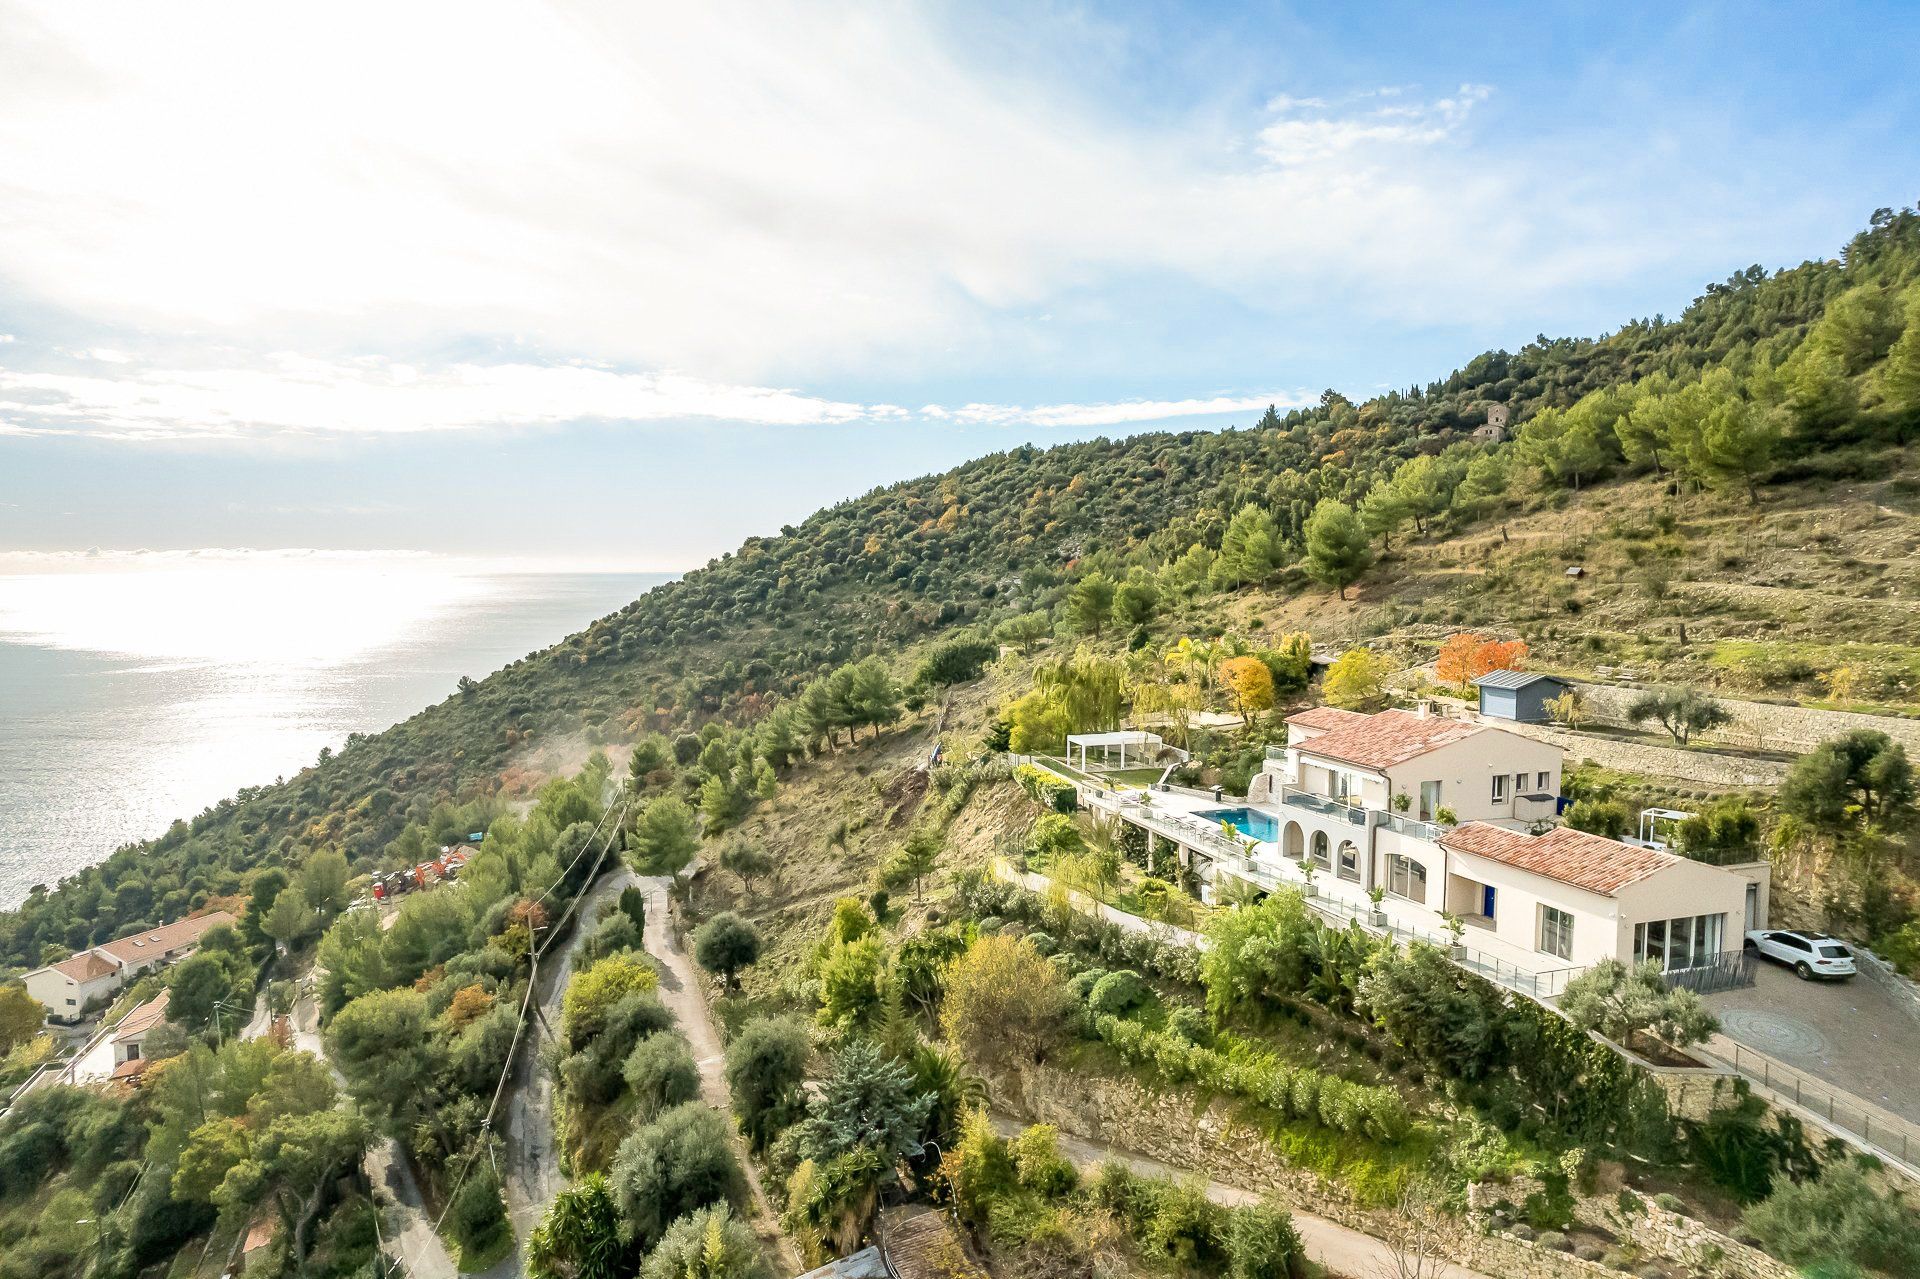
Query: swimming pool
<point>1248,821</point>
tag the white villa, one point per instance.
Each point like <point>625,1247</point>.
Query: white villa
<point>66,988</point>
<point>1452,817</point>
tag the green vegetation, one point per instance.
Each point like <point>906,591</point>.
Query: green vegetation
<point>1138,576</point>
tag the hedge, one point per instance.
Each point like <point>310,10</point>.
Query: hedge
<point>1298,1092</point>
<point>1048,790</point>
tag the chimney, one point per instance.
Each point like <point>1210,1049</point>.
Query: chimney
<point>1425,708</point>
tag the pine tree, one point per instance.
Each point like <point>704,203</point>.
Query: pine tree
<point>1337,551</point>
<point>1382,511</point>
<point>1249,549</point>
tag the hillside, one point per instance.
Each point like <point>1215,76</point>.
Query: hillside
<point>1791,385</point>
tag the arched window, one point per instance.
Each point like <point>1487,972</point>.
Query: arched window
<point>1320,855</point>
<point>1406,878</point>
<point>1349,867</point>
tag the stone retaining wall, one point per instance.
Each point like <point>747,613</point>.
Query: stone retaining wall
<point>1883,974</point>
<point>1168,1128</point>
<point>1760,724</point>
<point>1704,767</point>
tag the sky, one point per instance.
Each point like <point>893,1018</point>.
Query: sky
<point>614,285</point>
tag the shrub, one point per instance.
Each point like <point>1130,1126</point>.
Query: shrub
<point>1116,993</point>
<point>1042,942</point>
<point>583,1009</point>
<point>1038,1163</point>
<point>1187,1022</point>
<point>1555,1240</point>
<point>1046,789</point>
<point>766,1064</point>
<point>672,1166</point>
<point>661,1073</point>
<point>1263,1244</point>
<point>1838,1217</point>
<point>1053,833</point>
<point>709,1243</point>
<point>1295,1091</point>
<point>1085,980</point>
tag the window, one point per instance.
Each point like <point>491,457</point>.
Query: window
<point>1519,783</point>
<point>1320,855</point>
<point>1499,788</point>
<point>1688,942</point>
<point>1406,878</point>
<point>1556,932</point>
<point>133,1052</point>
<point>1349,861</point>
<point>1542,781</point>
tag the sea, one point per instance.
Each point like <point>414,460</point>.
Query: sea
<point>132,695</point>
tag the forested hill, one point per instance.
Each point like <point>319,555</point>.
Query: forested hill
<point>1764,379</point>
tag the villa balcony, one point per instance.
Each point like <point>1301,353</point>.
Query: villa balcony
<point>1326,805</point>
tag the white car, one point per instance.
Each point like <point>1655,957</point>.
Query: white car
<point>1809,954</point>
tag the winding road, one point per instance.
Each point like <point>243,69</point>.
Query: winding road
<point>532,1167</point>
<point>422,1254</point>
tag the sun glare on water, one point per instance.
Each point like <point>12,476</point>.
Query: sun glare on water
<point>273,612</point>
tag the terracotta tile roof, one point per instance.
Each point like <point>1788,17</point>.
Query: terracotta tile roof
<point>138,947</point>
<point>1592,862</point>
<point>1389,738</point>
<point>923,1245</point>
<point>1326,717</point>
<point>131,1069</point>
<point>143,1018</point>
<point>86,966</point>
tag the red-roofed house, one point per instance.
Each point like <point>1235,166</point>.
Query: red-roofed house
<point>66,988</point>
<point>1437,814</point>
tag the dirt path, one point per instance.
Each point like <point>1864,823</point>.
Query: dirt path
<point>422,1254</point>
<point>681,991</point>
<point>1341,1249</point>
<point>531,1169</point>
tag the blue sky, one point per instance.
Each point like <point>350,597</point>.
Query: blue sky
<point>617,285</point>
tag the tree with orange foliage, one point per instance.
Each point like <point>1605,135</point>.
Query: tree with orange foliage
<point>1454,663</point>
<point>529,913</point>
<point>1500,655</point>
<point>1249,683</point>
<point>468,1003</point>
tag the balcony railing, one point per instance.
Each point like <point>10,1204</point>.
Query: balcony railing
<point>1429,831</point>
<point>1276,752</point>
<point>1207,837</point>
<point>1324,804</point>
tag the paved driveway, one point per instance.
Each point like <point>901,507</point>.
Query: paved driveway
<point>1853,1034</point>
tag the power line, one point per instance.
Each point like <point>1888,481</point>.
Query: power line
<point>520,1022</point>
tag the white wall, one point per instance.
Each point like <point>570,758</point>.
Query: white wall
<point>54,988</point>
<point>1465,770</point>
<point>1684,888</point>
<point>1518,897</point>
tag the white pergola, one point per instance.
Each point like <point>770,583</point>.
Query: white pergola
<point>1145,745</point>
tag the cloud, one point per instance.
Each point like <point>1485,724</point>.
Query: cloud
<point>1298,139</point>
<point>746,190</point>
<point>297,395</point>
<point>1123,413</point>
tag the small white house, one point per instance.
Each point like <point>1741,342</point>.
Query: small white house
<point>66,988</point>
<point>129,1039</point>
<point>1583,898</point>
